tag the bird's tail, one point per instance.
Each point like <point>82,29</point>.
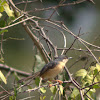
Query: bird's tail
<point>30,77</point>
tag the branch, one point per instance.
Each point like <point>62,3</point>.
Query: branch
<point>60,5</point>
<point>36,42</point>
<point>5,67</point>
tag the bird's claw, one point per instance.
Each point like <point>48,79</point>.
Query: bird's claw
<point>59,81</point>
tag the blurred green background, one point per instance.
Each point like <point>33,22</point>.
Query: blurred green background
<point>20,54</point>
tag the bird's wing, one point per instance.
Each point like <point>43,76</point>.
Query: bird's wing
<point>48,66</point>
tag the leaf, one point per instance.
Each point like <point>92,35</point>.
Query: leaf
<point>0,15</point>
<point>2,31</point>
<point>37,80</point>
<point>98,67</point>
<point>9,12</point>
<point>43,90</point>
<point>38,59</point>
<point>98,77</point>
<point>81,72</point>
<point>15,92</point>
<point>12,98</point>
<point>90,96</point>
<point>10,20</point>
<point>53,89</point>
<point>96,86</point>
<point>2,59</point>
<point>3,77</point>
<point>3,2</point>
<point>61,90</point>
<point>39,62</point>
<point>90,93</point>
<point>51,98</point>
<point>90,78</point>
<point>92,68</point>
<point>44,97</point>
<point>95,72</point>
<point>75,93</point>
<point>1,9</point>
<point>2,23</point>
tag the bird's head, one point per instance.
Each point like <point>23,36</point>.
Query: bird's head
<point>63,58</point>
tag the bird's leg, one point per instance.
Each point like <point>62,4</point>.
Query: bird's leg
<point>59,81</point>
<point>50,85</point>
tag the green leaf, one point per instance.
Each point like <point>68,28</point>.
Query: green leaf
<point>92,90</point>
<point>37,80</point>
<point>9,12</point>
<point>3,2</point>
<point>3,77</point>
<point>40,63</point>
<point>53,89</point>
<point>95,72</point>
<point>91,93</point>
<point>12,98</point>
<point>0,15</point>
<point>10,19</point>
<point>90,96</point>
<point>1,9</point>
<point>61,89</point>
<point>89,79</point>
<point>98,67</point>
<point>2,31</point>
<point>15,92</point>
<point>51,98</point>
<point>43,90</point>
<point>38,59</point>
<point>96,86</point>
<point>44,97</point>
<point>98,77</point>
<point>2,23</point>
<point>81,72</point>
<point>2,59</point>
<point>75,93</point>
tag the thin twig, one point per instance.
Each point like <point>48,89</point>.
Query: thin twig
<point>5,67</point>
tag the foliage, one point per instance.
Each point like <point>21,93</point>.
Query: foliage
<point>90,80</point>
<point>79,87</point>
<point>3,77</point>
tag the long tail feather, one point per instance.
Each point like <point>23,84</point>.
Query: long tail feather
<point>30,77</point>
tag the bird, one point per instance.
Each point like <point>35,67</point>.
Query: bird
<point>51,69</point>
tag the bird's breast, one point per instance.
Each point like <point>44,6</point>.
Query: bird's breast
<point>51,73</point>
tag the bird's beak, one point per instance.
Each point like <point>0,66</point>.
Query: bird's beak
<point>70,57</point>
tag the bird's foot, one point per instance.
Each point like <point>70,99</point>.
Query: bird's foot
<point>50,85</point>
<point>59,81</point>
